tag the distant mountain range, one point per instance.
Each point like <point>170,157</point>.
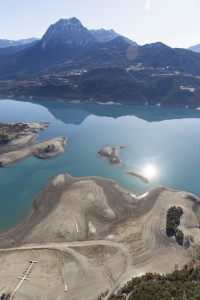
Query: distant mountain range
<point>15,49</point>
<point>67,44</point>
<point>11,43</point>
<point>195,48</point>
<point>71,62</point>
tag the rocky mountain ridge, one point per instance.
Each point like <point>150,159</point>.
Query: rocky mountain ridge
<point>68,32</point>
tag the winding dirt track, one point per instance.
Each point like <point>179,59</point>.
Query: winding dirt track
<point>92,236</point>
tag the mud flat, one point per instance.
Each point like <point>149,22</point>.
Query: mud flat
<point>92,236</point>
<point>17,143</point>
<point>143,178</point>
<point>111,154</point>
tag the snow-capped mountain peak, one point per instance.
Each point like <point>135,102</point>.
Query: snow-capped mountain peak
<point>68,32</point>
<point>103,35</point>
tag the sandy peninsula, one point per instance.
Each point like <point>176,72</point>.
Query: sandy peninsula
<point>89,237</point>
<point>143,178</point>
<point>111,154</point>
<point>17,143</point>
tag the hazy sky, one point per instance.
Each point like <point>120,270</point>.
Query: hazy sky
<point>174,22</point>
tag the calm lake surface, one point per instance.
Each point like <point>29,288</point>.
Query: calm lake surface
<point>162,143</point>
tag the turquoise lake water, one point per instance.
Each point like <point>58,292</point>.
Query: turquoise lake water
<point>164,142</point>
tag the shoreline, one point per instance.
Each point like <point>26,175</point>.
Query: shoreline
<point>34,206</point>
<point>88,101</point>
<point>64,100</point>
<point>154,189</point>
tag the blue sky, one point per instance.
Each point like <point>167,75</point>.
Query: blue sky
<point>174,22</point>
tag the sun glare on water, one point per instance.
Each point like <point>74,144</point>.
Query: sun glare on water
<point>150,171</point>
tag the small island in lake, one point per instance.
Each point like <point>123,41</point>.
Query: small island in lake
<point>16,143</point>
<point>143,178</point>
<point>111,154</point>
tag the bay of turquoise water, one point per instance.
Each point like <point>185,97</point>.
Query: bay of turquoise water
<point>167,140</point>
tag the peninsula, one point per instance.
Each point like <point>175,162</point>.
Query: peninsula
<point>17,143</point>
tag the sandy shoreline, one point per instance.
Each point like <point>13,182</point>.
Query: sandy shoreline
<point>91,226</point>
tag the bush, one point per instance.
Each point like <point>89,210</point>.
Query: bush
<point>179,236</point>
<point>173,220</point>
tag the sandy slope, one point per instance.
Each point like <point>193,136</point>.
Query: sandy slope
<point>91,235</point>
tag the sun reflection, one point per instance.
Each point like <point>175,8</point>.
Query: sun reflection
<point>150,171</point>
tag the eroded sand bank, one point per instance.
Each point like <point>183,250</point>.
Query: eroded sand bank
<point>18,143</point>
<point>142,177</point>
<point>92,236</point>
